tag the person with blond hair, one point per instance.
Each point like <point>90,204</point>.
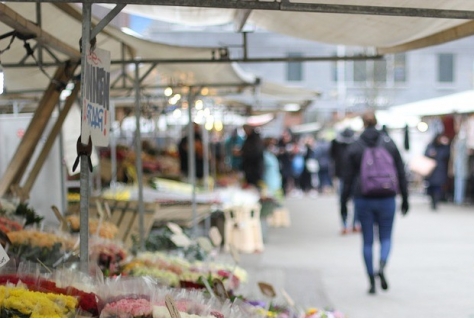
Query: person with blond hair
<point>374,209</point>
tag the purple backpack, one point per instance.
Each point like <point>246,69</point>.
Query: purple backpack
<point>378,174</point>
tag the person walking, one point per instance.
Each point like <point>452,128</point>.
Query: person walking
<point>375,206</point>
<point>323,156</point>
<point>285,158</point>
<point>439,150</point>
<point>338,149</point>
<point>311,166</point>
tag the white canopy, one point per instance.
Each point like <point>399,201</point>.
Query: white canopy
<point>64,22</point>
<point>462,102</point>
<point>387,33</point>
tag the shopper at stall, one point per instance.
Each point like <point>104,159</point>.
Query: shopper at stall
<point>252,156</point>
<point>233,144</point>
<point>439,150</point>
<point>198,151</point>
<point>271,173</point>
<point>374,203</point>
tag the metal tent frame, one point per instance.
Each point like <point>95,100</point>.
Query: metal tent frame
<point>88,33</point>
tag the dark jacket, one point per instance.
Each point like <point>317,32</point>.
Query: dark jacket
<point>252,158</point>
<point>285,158</point>
<point>353,161</point>
<point>338,150</point>
<point>440,153</point>
<point>183,155</point>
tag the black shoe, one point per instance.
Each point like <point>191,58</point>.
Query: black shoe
<point>383,281</point>
<point>372,285</point>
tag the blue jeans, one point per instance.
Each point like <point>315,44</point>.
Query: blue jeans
<point>373,212</point>
<point>344,216</point>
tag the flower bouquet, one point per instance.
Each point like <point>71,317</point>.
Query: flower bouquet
<point>103,229</point>
<point>176,271</point>
<point>86,301</point>
<point>33,245</point>
<point>7,225</point>
<point>126,298</point>
<point>18,301</point>
<point>108,254</point>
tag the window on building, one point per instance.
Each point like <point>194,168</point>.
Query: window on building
<point>360,71</point>
<point>294,70</point>
<point>380,71</point>
<point>399,68</point>
<point>334,71</point>
<point>446,67</point>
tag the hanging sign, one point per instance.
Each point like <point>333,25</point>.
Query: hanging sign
<point>95,102</point>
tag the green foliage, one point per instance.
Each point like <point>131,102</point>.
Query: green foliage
<point>29,214</point>
<point>268,206</point>
<point>159,239</point>
<point>12,313</point>
<point>48,256</point>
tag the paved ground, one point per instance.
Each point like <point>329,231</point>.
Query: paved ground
<point>430,271</point>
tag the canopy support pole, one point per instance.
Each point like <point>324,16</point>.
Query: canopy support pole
<point>105,21</point>
<point>84,175</point>
<point>138,159</point>
<point>192,160</point>
<point>113,149</point>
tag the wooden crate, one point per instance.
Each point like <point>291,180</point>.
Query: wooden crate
<point>124,214</point>
<point>181,214</point>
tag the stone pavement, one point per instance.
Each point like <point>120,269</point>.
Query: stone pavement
<point>430,271</point>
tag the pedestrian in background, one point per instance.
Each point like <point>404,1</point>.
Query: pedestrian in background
<point>439,150</point>
<point>311,165</point>
<point>322,153</point>
<point>271,172</point>
<point>285,158</point>
<point>338,150</point>
<point>198,153</point>
<point>233,144</point>
<point>374,211</point>
<point>252,156</point>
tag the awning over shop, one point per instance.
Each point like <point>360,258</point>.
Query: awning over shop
<point>384,32</point>
<point>273,97</point>
<point>63,23</point>
<point>462,102</point>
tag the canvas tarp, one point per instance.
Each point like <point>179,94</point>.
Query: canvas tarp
<point>387,33</point>
<point>462,102</point>
<point>68,27</point>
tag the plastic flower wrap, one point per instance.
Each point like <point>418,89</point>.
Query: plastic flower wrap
<point>21,302</point>
<point>76,283</point>
<point>194,304</point>
<point>7,225</point>
<point>29,276</point>
<point>106,229</point>
<point>175,271</point>
<point>126,298</point>
<point>108,254</point>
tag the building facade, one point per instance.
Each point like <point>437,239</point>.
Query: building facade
<point>345,85</point>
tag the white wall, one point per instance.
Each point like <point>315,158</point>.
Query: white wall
<point>47,188</point>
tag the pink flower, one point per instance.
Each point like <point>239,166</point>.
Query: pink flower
<point>128,308</point>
